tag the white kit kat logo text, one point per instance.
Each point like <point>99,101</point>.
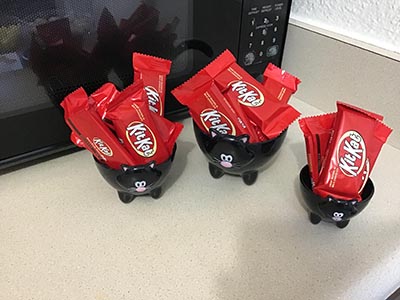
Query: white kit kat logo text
<point>351,153</point>
<point>102,146</point>
<point>141,138</point>
<point>153,98</point>
<point>212,118</point>
<point>247,94</point>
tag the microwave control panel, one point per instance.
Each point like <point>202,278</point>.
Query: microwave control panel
<point>263,31</point>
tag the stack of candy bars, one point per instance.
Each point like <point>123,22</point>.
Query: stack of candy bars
<point>224,97</point>
<point>342,149</point>
<point>127,127</point>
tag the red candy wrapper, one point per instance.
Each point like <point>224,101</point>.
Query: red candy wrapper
<point>103,98</point>
<point>279,84</point>
<point>261,137</point>
<point>237,85</point>
<point>356,141</point>
<point>370,113</point>
<point>153,71</point>
<point>250,126</point>
<point>106,94</point>
<point>169,131</point>
<point>208,106</point>
<point>317,131</point>
<point>77,141</point>
<point>134,125</point>
<point>90,132</point>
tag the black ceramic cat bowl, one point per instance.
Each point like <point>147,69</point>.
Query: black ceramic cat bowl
<point>133,181</point>
<point>330,209</point>
<point>234,155</point>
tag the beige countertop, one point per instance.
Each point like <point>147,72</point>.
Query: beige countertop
<point>65,234</point>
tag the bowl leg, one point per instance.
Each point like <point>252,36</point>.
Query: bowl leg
<point>250,177</point>
<point>342,224</point>
<point>126,197</point>
<point>315,219</point>
<point>215,171</point>
<point>156,193</point>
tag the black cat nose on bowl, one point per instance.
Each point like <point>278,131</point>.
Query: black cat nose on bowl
<point>133,181</point>
<point>234,155</point>
<point>331,209</point>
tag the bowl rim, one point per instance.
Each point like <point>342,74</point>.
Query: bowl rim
<point>169,159</point>
<point>305,172</point>
<point>282,134</point>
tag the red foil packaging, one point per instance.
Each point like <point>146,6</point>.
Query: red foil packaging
<point>76,140</point>
<point>370,113</point>
<point>169,131</point>
<point>251,128</point>
<point>279,84</point>
<point>208,106</point>
<point>134,125</point>
<point>153,71</point>
<point>103,98</point>
<point>356,141</point>
<point>237,85</point>
<point>89,131</point>
<point>260,136</point>
<point>317,131</point>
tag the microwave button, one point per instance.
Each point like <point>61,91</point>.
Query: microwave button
<point>250,45</point>
<point>261,53</point>
<point>253,22</point>
<point>249,59</point>
<point>251,34</point>
<point>253,11</point>
<point>274,40</point>
<point>264,31</point>
<point>275,29</point>
<point>265,20</point>
<point>272,51</point>
<point>262,42</point>
<point>266,8</point>
<point>276,18</point>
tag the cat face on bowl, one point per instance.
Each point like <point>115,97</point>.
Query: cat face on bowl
<point>139,179</point>
<point>229,152</point>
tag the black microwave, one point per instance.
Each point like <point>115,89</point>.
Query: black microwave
<point>48,48</point>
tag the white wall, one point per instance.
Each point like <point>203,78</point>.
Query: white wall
<point>369,21</point>
<point>332,70</point>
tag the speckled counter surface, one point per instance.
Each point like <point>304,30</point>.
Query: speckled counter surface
<point>64,234</point>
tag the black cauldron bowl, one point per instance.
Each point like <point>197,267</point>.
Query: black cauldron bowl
<point>133,181</point>
<point>330,209</point>
<point>234,155</point>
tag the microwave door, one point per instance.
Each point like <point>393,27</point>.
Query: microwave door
<point>49,48</point>
<point>58,46</point>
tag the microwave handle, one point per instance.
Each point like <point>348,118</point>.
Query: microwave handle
<point>194,45</point>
